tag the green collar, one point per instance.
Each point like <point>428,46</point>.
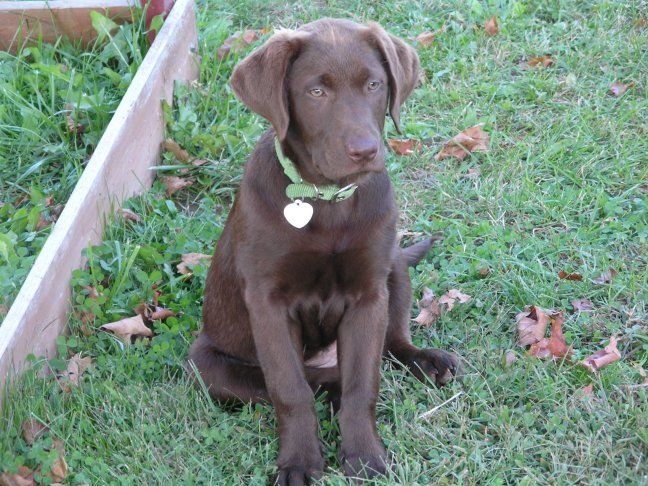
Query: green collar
<point>301,190</point>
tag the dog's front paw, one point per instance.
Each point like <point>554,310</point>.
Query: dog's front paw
<point>300,468</point>
<point>367,463</point>
<point>437,365</point>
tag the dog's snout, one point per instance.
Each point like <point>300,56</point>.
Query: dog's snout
<point>362,149</point>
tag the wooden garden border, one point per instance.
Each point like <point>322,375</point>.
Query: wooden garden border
<point>119,168</point>
<point>25,22</point>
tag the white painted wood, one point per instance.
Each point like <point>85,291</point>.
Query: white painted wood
<point>24,22</point>
<point>119,168</point>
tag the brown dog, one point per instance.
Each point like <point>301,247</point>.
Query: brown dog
<point>277,295</point>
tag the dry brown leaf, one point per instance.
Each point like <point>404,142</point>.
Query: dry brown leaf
<point>425,39</point>
<point>161,314</point>
<point>236,42</point>
<point>531,324</point>
<point>473,139</point>
<point>178,152</point>
<point>175,183</point>
<point>491,27</point>
<point>129,215</point>
<point>606,277</point>
<point>198,162</point>
<point>42,223</point>
<point>570,276</point>
<point>554,346</point>
<point>473,173</point>
<point>72,126</point>
<point>32,429</point>
<point>451,296</point>
<point>404,147</point>
<point>59,470</point>
<point>618,89</point>
<point>582,305</point>
<point>586,392</point>
<point>127,328</point>
<point>189,260</point>
<point>429,310</point>
<point>602,357</point>
<point>544,61</point>
<point>24,477</point>
<point>484,272</point>
<point>509,358</point>
<point>76,366</point>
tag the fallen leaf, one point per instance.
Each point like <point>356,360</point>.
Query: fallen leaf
<point>509,358</point>
<point>59,470</point>
<point>544,61</point>
<point>24,477</point>
<point>76,366</point>
<point>618,89</point>
<point>570,276</point>
<point>582,305</point>
<point>473,173</point>
<point>42,223</point>
<point>32,429</point>
<point>72,126</point>
<point>129,215</point>
<point>153,312</point>
<point>602,357</point>
<point>531,324</point>
<point>127,328</point>
<point>404,147</point>
<point>429,310</point>
<point>641,23</point>
<point>56,211</point>
<point>189,260</point>
<point>491,26</point>
<point>49,201</point>
<point>451,296</point>
<point>178,152</point>
<point>586,392</point>
<point>175,183</point>
<point>555,346</point>
<point>198,162</point>
<point>473,139</point>
<point>236,42</point>
<point>484,272</point>
<point>605,277</point>
<point>425,39</point>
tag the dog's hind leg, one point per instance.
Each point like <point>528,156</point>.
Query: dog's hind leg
<point>438,365</point>
<point>226,378</point>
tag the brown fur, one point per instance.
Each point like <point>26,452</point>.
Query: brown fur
<point>276,295</point>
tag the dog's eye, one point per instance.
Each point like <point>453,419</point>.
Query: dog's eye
<point>373,85</point>
<point>317,92</point>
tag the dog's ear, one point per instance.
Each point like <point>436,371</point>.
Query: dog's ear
<point>260,79</point>
<point>402,68</point>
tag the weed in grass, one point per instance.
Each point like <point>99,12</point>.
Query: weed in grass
<point>561,188</point>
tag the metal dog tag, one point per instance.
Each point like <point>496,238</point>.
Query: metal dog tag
<point>298,213</point>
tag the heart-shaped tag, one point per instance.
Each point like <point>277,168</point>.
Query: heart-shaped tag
<point>298,213</point>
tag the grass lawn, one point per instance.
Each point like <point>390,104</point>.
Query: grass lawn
<point>563,187</point>
<point>55,102</point>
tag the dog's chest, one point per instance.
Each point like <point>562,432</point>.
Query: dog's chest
<point>319,287</point>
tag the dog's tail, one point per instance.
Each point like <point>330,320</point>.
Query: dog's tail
<point>415,253</point>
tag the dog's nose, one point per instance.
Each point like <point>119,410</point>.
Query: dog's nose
<point>362,150</point>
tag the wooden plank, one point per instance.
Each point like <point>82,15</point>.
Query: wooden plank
<point>119,168</point>
<point>26,22</point>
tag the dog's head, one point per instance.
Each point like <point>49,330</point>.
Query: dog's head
<point>326,88</point>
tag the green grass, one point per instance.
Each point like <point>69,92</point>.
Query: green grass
<point>562,188</point>
<point>46,92</point>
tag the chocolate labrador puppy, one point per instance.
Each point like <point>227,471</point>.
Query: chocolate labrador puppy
<point>310,294</point>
